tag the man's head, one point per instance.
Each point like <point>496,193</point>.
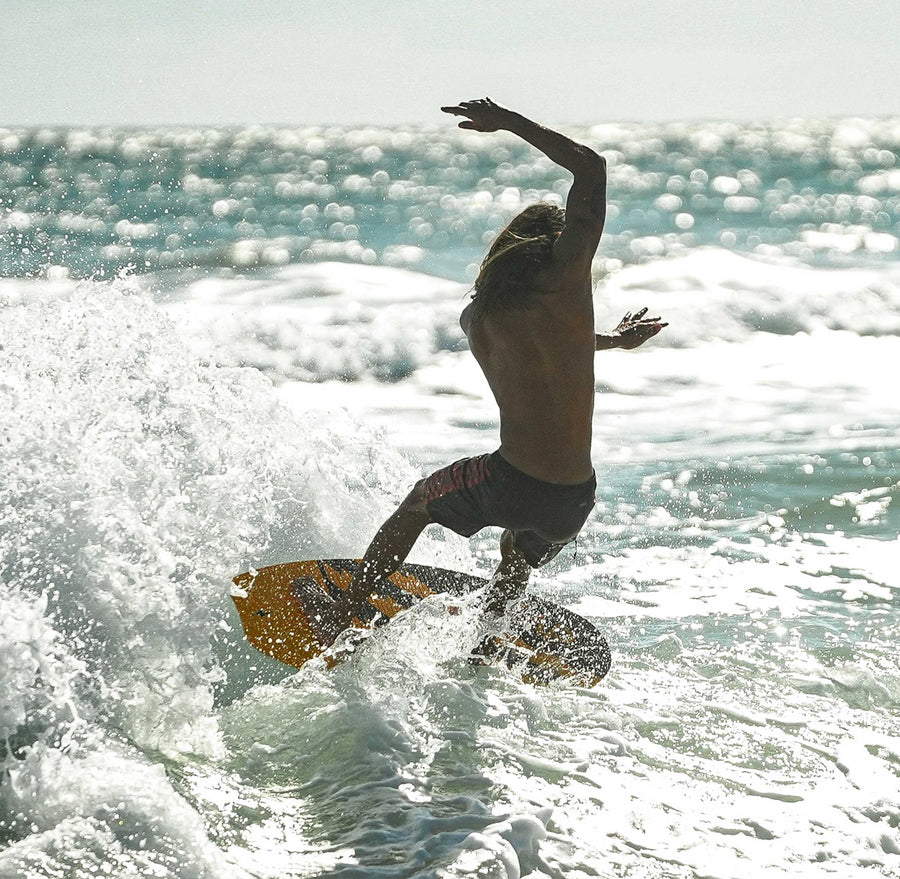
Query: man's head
<point>520,251</point>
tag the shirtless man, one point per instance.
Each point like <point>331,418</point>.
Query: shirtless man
<point>530,326</point>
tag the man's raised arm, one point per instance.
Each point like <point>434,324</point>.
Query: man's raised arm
<point>586,204</point>
<point>486,115</point>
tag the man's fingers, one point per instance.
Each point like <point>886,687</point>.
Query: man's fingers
<point>468,108</point>
<point>468,124</point>
<point>463,109</point>
<point>640,314</point>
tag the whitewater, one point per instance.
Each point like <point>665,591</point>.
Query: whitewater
<point>230,348</point>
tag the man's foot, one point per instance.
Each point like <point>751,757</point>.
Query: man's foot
<point>326,617</point>
<point>510,578</point>
<point>499,593</point>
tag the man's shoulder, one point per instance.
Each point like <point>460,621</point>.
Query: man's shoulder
<point>563,283</point>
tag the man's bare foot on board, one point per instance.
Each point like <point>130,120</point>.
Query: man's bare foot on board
<point>509,580</point>
<point>327,618</point>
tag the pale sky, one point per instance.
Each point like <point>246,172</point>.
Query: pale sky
<point>135,62</point>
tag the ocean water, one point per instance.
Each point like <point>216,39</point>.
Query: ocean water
<point>225,348</point>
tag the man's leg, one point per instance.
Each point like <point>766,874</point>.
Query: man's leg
<point>508,582</point>
<point>509,579</point>
<point>387,551</point>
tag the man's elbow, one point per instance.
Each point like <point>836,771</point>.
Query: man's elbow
<point>592,162</point>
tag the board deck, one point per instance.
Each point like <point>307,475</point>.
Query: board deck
<point>548,643</point>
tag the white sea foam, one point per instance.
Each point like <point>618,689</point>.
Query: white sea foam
<point>325,321</point>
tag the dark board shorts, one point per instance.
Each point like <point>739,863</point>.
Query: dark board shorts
<point>473,493</point>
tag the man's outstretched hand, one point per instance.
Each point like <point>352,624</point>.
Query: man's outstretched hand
<point>634,329</point>
<point>483,114</point>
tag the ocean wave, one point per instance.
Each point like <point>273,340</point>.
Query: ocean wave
<point>329,321</point>
<point>713,294</point>
<point>349,323</point>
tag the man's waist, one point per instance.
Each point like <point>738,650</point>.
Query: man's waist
<point>555,464</point>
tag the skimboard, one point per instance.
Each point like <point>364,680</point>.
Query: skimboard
<point>547,642</point>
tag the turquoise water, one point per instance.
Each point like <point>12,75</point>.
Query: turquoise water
<point>230,348</point>
<point>96,200</point>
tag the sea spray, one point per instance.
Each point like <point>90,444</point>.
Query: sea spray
<point>136,481</point>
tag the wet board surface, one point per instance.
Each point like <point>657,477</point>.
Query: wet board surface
<point>547,642</point>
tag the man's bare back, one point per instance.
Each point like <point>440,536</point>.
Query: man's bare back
<point>539,363</point>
